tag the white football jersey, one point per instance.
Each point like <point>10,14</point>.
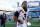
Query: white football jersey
<point>21,16</point>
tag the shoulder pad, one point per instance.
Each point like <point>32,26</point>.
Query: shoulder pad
<point>19,8</point>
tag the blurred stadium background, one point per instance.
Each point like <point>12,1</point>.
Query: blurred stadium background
<point>33,14</point>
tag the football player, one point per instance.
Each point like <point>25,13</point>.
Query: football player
<point>21,15</point>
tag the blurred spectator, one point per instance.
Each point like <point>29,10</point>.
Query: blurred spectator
<point>3,18</point>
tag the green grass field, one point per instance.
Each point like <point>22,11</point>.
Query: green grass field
<point>34,23</point>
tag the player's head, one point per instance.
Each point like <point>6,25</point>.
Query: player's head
<point>3,14</point>
<point>24,4</point>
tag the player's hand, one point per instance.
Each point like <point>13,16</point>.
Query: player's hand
<point>29,24</point>
<point>21,22</point>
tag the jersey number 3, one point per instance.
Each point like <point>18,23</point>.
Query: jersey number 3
<point>24,17</point>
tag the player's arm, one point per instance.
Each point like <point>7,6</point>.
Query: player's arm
<point>16,14</point>
<point>15,18</point>
<point>28,23</point>
<point>21,22</point>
